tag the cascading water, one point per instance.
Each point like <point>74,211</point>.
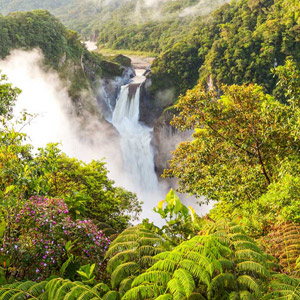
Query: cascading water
<point>135,137</point>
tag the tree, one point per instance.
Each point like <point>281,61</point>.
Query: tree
<point>86,187</point>
<point>238,143</point>
<point>8,96</point>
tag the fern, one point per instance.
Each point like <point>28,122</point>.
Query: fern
<point>283,242</point>
<point>131,253</point>
<point>224,264</point>
<point>23,290</point>
<point>284,287</point>
<point>122,271</point>
<point>55,289</point>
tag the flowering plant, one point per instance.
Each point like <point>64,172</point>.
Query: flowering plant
<point>36,243</point>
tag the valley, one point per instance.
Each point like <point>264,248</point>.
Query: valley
<point>149,149</point>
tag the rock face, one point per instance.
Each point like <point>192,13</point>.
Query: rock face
<point>165,140</point>
<point>156,112</point>
<point>149,110</point>
<point>107,91</point>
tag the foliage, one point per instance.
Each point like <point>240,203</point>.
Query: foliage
<point>284,287</point>
<point>36,232</point>
<point>239,43</point>
<point>283,242</point>
<point>87,184</point>
<point>131,253</point>
<point>181,222</point>
<point>86,187</point>
<point>288,81</point>
<point>225,264</point>
<point>176,67</point>
<point>43,230</point>
<point>123,24</point>
<point>61,48</point>
<point>58,289</point>
<point>238,142</point>
<point>8,96</point>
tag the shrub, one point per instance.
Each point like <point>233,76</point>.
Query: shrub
<point>35,246</point>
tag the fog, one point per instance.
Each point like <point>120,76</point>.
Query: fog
<point>202,7</point>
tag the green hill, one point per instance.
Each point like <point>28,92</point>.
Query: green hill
<point>240,43</point>
<point>124,24</point>
<point>61,47</point>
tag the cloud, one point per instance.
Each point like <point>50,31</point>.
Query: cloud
<point>202,8</point>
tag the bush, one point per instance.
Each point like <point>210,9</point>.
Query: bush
<point>39,242</point>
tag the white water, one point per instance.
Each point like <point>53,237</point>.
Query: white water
<point>138,156</point>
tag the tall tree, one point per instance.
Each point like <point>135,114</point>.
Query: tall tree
<point>239,141</point>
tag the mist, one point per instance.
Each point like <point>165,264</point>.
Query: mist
<point>44,95</point>
<point>153,9</point>
<point>201,8</point>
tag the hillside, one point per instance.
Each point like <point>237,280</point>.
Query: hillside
<point>125,24</point>
<point>61,48</point>
<point>240,43</point>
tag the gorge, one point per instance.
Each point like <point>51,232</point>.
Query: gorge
<point>127,149</point>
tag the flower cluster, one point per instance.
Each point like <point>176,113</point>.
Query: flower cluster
<point>37,242</point>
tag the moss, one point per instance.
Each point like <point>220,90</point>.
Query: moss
<point>111,69</point>
<point>120,59</point>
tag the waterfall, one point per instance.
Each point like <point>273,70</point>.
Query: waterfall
<point>135,137</point>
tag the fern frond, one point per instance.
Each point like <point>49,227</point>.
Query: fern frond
<point>222,281</point>
<point>123,271</point>
<point>196,296</point>
<point>252,266</point>
<point>125,284</point>
<point>143,292</point>
<point>175,256</point>
<point>124,256</point>
<point>167,265</point>
<point>226,264</point>
<point>283,242</point>
<point>284,287</point>
<point>177,289</point>
<point>250,283</point>
<point>24,290</point>
<point>150,241</point>
<point>165,297</point>
<point>244,245</point>
<point>132,252</point>
<point>112,295</point>
<point>159,277</point>
<point>196,270</point>
<point>150,250</point>
<point>119,247</point>
<point>186,280</point>
<point>245,295</point>
<point>147,261</point>
<point>101,288</point>
<point>63,289</point>
<point>249,254</point>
